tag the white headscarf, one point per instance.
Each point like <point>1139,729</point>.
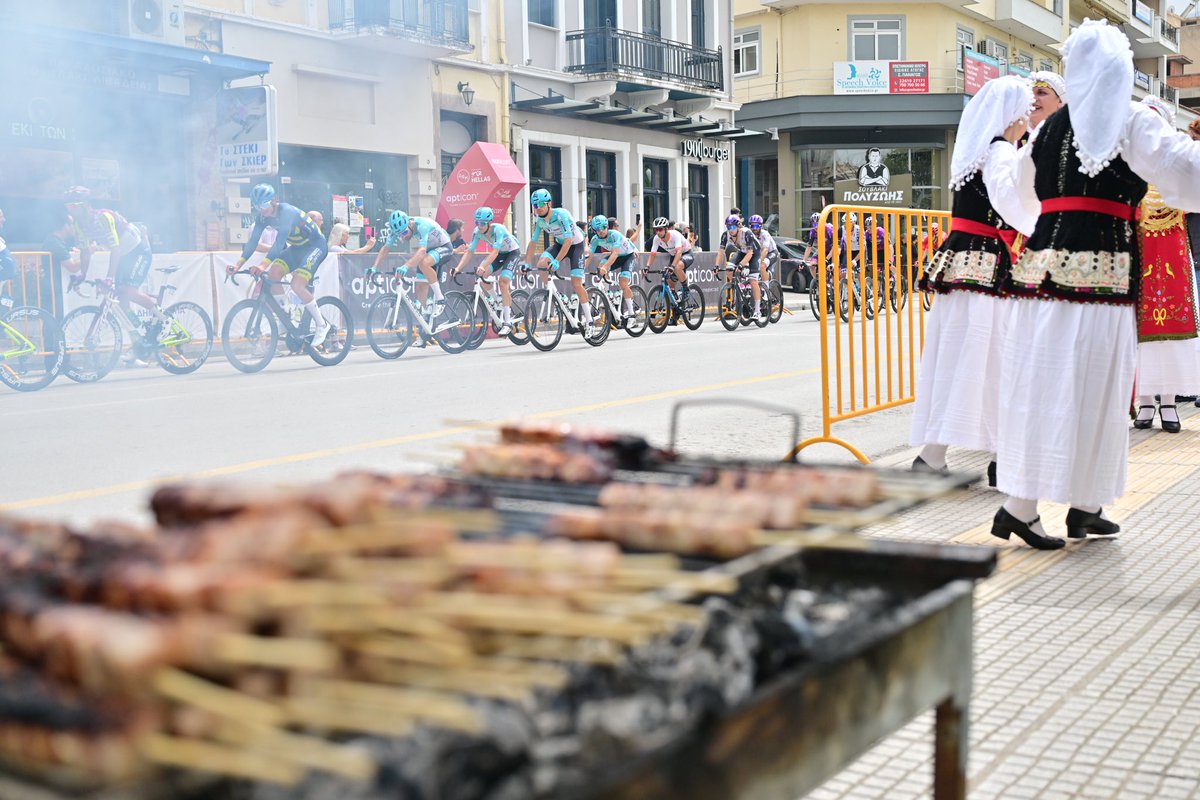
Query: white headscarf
<point>1000,103</point>
<point>1161,106</point>
<point>1051,79</point>
<point>1099,79</point>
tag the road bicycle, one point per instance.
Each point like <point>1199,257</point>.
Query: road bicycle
<point>614,302</point>
<point>32,348</point>
<point>550,312</point>
<point>252,329</point>
<point>772,293</point>
<point>487,310</point>
<point>845,295</point>
<point>664,304</point>
<point>95,334</point>
<point>395,321</point>
<point>736,307</point>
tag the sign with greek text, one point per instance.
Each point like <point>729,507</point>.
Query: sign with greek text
<point>978,69</point>
<point>908,77</point>
<point>247,142</point>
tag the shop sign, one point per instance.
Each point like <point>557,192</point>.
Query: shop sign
<point>874,185</point>
<point>861,77</point>
<point>247,142</point>
<point>1141,80</point>
<point>908,77</point>
<point>697,149</point>
<point>978,69</point>
<point>485,176</point>
<point>72,72</point>
<point>1143,12</point>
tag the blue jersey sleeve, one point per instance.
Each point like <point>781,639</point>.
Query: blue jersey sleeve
<point>256,233</point>
<point>475,240</point>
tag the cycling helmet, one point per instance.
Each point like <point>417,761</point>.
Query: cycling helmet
<point>732,221</point>
<point>78,194</point>
<point>261,196</point>
<point>599,222</point>
<point>661,222</point>
<point>540,198</point>
<point>398,222</point>
<point>755,219</point>
<point>484,215</point>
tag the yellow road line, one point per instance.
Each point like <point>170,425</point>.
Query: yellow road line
<point>394,441</point>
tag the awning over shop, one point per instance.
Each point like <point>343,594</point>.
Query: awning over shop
<point>616,114</point>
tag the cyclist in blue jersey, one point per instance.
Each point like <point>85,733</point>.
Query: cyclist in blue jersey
<point>430,247</point>
<point>298,250</point>
<point>568,247</point>
<point>622,255</point>
<point>502,261</point>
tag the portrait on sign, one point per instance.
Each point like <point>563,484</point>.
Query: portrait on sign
<point>874,173</point>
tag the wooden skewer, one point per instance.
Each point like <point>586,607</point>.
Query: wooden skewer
<point>219,759</point>
<point>303,655</point>
<point>414,650</point>
<point>303,751</point>
<point>696,581</point>
<point>550,648</point>
<point>482,520</point>
<point>404,621</point>
<point>429,706</point>
<point>401,534</point>
<point>478,683</point>
<point>199,693</point>
<point>317,713</point>
<point>830,539</point>
<point>417,571</point>
<point>542,621</point>
<point>292,594</point>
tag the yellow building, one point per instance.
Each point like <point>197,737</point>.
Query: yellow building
<point>833,82</point>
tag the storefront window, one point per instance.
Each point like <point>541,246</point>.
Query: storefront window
<point>760,189</point>
<point>656,193</point>
<point>601,183</point>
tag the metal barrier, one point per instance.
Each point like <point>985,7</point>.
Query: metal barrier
<point>36,282</point>
<point>873,311</point>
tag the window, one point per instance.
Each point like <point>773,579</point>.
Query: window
<point>459,132</point>
<point>656,194</point>
<point>1046,66</point>
<point>542,12</point>
<point>545,172</point>
<point>698,23</point>
<point>745,53</point>
<point>698,202</point>
<point>965,39</point>
<point>601,184</point>
<point>997,49</point>
<point>876,39</point>
<point>652,17</point>
<point>1024,61</point>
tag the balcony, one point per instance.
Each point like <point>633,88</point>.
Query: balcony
<point>1029,20</point>
<point>430,28</point>
<point>1168,32</point>
<point>637,61</point>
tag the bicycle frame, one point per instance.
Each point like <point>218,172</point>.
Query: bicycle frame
<point>402,291</point>
<point>108,297</point>
<point>267,302</point>
<point>26,348</point>
<point>563,305</point>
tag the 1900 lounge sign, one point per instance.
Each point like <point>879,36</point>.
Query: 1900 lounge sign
<point>697,149</point>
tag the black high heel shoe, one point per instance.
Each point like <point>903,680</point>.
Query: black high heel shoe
<point>1081,523</point>
<point>1005,523</point>
<point>1170,426</point>
<point>1143,424</point>
<point>992,474</point>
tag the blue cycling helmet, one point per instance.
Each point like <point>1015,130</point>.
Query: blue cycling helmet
<point>484,215</point>
<point>398,222</point>
<point>599,222</point>
<point>261,196</point>
<point>540,198</point>
<point>755,219</point>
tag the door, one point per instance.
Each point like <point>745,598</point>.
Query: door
<point>656,193</point>
<point>651,56</point>
<point>698,23</point>
<point>698,202</point>
<point>599,26</point>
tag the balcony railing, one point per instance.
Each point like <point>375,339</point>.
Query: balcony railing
<point>1169,32</point>
<point>610,51</point>
<point>1167,93</point>
<point>428,20</point>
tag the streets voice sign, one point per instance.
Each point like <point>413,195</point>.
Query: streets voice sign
<point>247,143</point>
<point>697,149</point>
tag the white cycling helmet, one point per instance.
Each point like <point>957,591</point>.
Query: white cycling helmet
<point>661,222</point>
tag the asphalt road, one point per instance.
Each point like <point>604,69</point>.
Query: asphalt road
<point>82,452</point>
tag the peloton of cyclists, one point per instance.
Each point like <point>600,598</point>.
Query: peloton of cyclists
<point>501,263</point>
<point>432,246</point>
<point>567,248</point>
<point>621,255</point>
<point>298,250</point>
<point>740,246</point>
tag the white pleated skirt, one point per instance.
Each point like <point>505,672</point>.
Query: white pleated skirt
<point>1066,384</point>
<point>1169,368</point>
<point>958,397</point>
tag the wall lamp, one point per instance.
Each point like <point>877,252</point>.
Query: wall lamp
<point>468,94</point>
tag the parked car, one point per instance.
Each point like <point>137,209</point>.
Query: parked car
<point>794,272</point>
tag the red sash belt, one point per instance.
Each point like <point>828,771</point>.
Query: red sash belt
<point>973,228</point>
<point>1110,208</point>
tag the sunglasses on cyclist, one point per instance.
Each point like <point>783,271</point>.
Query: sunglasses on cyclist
<point>659,230</point>
<point>731,227</point>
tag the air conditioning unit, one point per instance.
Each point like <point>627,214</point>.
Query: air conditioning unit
<point>158,20</point>
<point>989,48</point>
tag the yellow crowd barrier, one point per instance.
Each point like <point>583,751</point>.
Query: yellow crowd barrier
<point>34,284</point>
<point>871,310</point>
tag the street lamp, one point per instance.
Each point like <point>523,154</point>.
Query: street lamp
<point>468,94</point>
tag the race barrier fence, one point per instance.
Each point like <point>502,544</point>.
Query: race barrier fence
<point>872,315</point>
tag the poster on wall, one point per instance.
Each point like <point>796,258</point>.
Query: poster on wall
<point>245,133</point>
<point>860,77</point>
<point>908,77</point>
<point>978,69</point>
<point>874,185</point>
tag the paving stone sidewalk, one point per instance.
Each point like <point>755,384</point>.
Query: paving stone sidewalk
<point>1087,681</point>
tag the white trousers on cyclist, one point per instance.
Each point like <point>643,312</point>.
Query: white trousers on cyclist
<point>958,390</point>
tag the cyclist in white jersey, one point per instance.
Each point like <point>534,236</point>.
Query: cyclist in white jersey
<point>568,247</point>
<point>769,256</point>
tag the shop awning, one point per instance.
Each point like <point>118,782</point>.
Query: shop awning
<point>589,111</point>
<point>148,54</point>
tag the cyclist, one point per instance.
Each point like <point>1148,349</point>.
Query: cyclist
<point>741,247</point>
<point>770,250</point>
<point>621,253</point>
<point>504,258</point>
<point>432,246</point>
<point>298,250</point>
<point>129,253</point>
<point>568,239</point>
<point>678,249</point>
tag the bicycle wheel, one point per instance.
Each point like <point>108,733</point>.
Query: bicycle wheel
<point>32,349</point>
<point>94,341</point>
<point>480,319</point>
<point>249,336</point>
<point>657,313</point>
<point>775,298</point>
<point>520,300</point>
<point>387,338</point>
<point>635,326</point>
<point>455,325</point>
<point>844,300</point>
<point>543,321</point>
<point>602,317</point>
<point>188,341</point>
<point>337,342</point>
<point>814,299</point>
<point>727,307</point>
<point>693,308</point>
<point>757,319</point>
